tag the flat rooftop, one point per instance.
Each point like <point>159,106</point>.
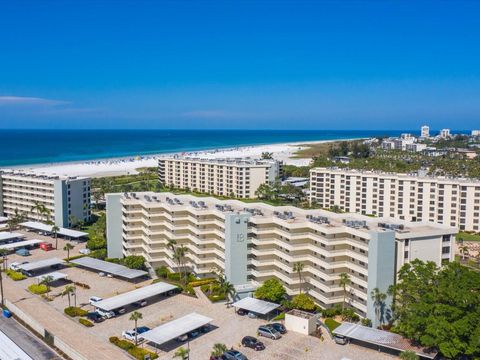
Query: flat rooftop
<point>130,297</point>
<point>175,328</point>
<point>327,221</point>
<point>40,264</point>
<point>4,236</point>
<point>37,175</point>
<point>11,351</point>
<point>108,267</point>
<point>20,244</point>
<point>256,305</point>
<point>35,225</point>
<point>222,161</point>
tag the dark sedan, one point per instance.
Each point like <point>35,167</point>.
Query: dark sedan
<point>279,327</point>
<point>253,343</point>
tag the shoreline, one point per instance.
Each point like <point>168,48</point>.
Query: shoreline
<point>127,165</point>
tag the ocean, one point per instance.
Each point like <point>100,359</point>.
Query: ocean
<point>25,147</point>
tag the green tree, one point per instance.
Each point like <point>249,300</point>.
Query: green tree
<point>264,192</point>
<point>439,308</point>
<point>135,262</point>
<point>46,281</point>
<point>135,316</point>
<point>303,302</point>
<point>344,282</point>
<point>228,289</point>
<point>69,291</point>
<point>464,250</point>
<point>379,303</point>
<point>271,290</point>
<point>55,230</point>
<point>16,219</point>
<point>67,248</point>
<point>218,349</point>
<point>409,355</point>
<point>182,353</point>
<point>298,268</point>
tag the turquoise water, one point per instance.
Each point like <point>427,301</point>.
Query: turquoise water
<point>22,147</point>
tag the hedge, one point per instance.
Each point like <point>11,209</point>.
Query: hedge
<point>85,322</point>
<point>38,289</point>
<point>15,275</point>
<point>135,351</point>
<point>280,316</point>
<point>75,257</point>
<point>75,311</point>
<point>215,298</point>
<point>201,282</point>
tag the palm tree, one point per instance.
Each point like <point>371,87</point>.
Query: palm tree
<point>55,230</point>
<point>69,290</point>
<point>228,289</point>
<point>344,282</point>
<point>3,255</point>
<point>67,248</point>
<point>298,268</point>
<point>135,317</point>
<point>182,353</point>
<point>464,250</point>
<point>38,208</point>
<point>46,281</point>
<point>16,219</point>
<point>378,301</point>
<point>179,256</point>
<point>218,349</point>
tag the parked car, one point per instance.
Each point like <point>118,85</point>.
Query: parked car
<point>129,335</point>
<point>106,314</point>
<point>94,299</point>
<point>84,251</point>
<point>340,339</point>
<point>182,338</point>
<point>279,327</point>
<point>252,315</point>
<point>233,355</point>
<point>120,311</point>
<point>46,246</point>
<point>269,332</point>
<point>206,328</point>
<point>22,252</point>
<point>15,266</point>
<point>193,334</point>
<point>242,312</point>
<point>95,317</point>
<point>142,329</point>
<point>102,274</point>
<point>253,343</point>
<point>140,303</point>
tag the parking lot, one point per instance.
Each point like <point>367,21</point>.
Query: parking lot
<point>228,327</point>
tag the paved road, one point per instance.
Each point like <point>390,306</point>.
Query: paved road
<point>25,340</point>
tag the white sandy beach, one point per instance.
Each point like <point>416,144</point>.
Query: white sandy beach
<point>125,166</point>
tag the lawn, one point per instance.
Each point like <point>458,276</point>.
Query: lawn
<point>331,324</point>
<point>468,236</point>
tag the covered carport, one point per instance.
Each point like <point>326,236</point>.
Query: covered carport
<point>109,268</point>
<point>175,328</point>
<point>68,234</point>
<point>10,236</point>
<point>53,276</point>
<point>128,298</point>
<point>380,340</point>
<point>256,306</point>
<point>21,244</point>
<point>29,268</point>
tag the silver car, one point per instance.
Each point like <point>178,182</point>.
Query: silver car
<point>269,332</point>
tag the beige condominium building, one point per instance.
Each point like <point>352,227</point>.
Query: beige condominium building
<point>67,199</point>
<point>450,201</point>
<point>227,177</point>
<point>253,242</point>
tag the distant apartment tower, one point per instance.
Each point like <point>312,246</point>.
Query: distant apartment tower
<point>475,132</point>
<point>445,133</point>
<point>251,243</point>
<point>450,201</point>
<point>425,131</point>
<point>238,177</point>
<point>66,198</point>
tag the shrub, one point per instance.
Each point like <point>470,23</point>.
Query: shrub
<point>15,275</point>
<point>331,324</point>
<point>280,316</point>
<point>139,353</point>
<point>85,322</point>
<point>271,290</point>
<point>189,290</point>
<point>122,344</point>
<point>201,282</point>
<point>162,272</point>
<point>99,254</point>
<point>38,289</point>
<point>303,302</point>
<point>349,315</point>
<point>216,297</point>
<point>82,285</point>
<point>134,262</point>
<point>75,257</point>
<point>75,311</point>
<point>336,310</point>
<point>366,322</point>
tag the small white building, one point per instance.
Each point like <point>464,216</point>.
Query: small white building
<point>301,322</point>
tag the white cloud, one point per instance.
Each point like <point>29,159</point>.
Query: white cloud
<point>25,100</point>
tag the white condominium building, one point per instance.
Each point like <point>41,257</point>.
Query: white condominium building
<point>67,199</point>
<point>445,133</point>
<point>238,177</point>
<point>425,131</point>
<point>253,242</point>
<point>450,201</point>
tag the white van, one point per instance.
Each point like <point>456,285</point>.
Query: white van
<point>106,314</point>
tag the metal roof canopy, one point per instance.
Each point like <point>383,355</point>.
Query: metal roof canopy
<point>48,228</point>
<point>11,351</point>
<point>55,276</point>
<point>9,236</point>
<point>108,267</point>
<point>40,264</point>
<point>381,338</point>
<point>20,244</point>
<point>175,328</point>
<point>256,305</point>
<point>130,297</point>
<point>3,218</point>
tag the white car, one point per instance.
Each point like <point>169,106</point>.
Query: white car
<point>15,265</point>
<point>106,314</point>
<point>85,251</point>
<point>94,299</point>
<point>130,335</point>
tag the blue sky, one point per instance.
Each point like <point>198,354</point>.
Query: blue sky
<point>239,64</point>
